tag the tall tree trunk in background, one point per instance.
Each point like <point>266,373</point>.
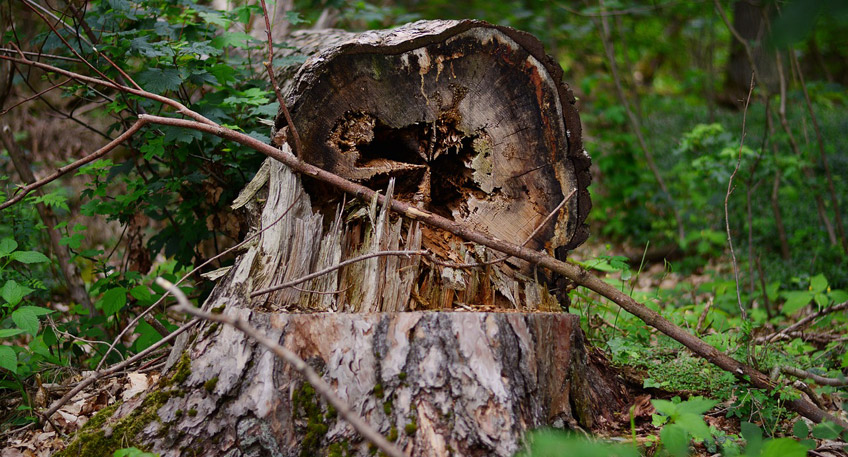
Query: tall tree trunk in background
<point>749,19</point>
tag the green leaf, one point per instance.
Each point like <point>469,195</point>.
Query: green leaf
<point>818,283</point>
<point>29,257</point>
<point>821,300</point>
<point>158,80</point>
<point>783,447</point>
<point>8,359</point>
<point>826,431</point>
<point>694,424</point>
<point>696,405</point>
<point>147,336</point>
<point>796,300</point>
<point>142,294</point>
<point>7,332</point>
<point>7,245</point>
<point>26,319</point>
<point>800,429</point>
<point>13,292</point>
<point>232,39</point>
<point>214,17</point>
<point>268,110</point>
<point>294,18</point>
<point>838,296</point>
<point>133,452</point>
<point>675,439</point>
<point>753,437</point>
<point>665,407</point>
<point>112,301</point>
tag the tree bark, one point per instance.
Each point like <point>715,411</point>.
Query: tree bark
<point>459,118</point>
<point>464,384</point>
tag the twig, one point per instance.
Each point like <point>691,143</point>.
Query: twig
<point>120,71</point>
<point>150,308</point>
<point>333,268</point>
<point>574,272</point>
<point>803,322</point>
<point>269,66</point>
<point>39,54</point>
<point>115,368</point>
<point>31,97</point>
<point>63,254</point>
<point>180,108</point>
<point>808,173</point>
<point>61,171</point>
<point>745,45</point>
<point>321,387</point>
<point>727,199</point>
<point>822,380</point>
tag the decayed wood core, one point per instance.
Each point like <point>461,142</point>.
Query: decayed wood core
<point>470,121</point>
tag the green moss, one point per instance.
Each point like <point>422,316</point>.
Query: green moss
<point>219,309</point>
<point>101,417</point>
<point>341,449</point>
<point>182,370</point>
<point>91,441</point>
<point>192,412</point>
<point>387,407</point>
<point>372,449</point>
<point>210,384</point>
<point>402,376</point>
<point>178,413</point>
<point>411,428</point>
<point>212,329</point>
<point>378,390</point>
<point>307,407</point>
<point>393,434</point>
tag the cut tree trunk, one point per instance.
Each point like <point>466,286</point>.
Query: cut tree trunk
<point>462,118</point>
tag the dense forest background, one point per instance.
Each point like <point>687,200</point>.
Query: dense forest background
<point>685,162</point>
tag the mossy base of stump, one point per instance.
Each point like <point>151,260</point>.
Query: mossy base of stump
<point>435,383</point>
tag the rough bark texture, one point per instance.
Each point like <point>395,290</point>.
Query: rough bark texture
<point>464,384</point>
<point>462,118</point>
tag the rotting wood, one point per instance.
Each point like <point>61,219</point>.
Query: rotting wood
<point>474,123</point>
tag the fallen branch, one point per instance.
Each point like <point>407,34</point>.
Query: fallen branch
<point>802,323</point>
<point>821,380</point>
<point>321,387</point>
<point>574,272</point>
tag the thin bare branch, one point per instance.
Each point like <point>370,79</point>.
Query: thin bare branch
<point>115,368</point>
<point>821,380</point>
<point>635,125</point>
<point>321,387</point>
<point>150,308</point>
<point>269,66</point>
<point>61,171</point>
<point>39,55</point>
<point>180,108</point>
<point>727,199</point>
<point>803,323</point>
<point>34,96</point>
<point>333,268</point>
<point>822,154</point>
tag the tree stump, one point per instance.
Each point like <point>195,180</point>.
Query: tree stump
<point>462,118</point>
